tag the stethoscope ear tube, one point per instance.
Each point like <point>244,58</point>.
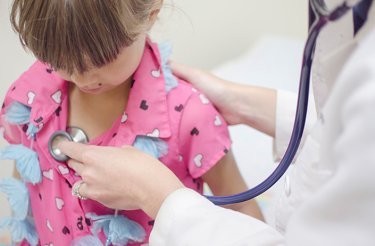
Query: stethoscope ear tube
<point>300,118</point>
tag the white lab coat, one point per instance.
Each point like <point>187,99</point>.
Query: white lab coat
<point>329,196</point>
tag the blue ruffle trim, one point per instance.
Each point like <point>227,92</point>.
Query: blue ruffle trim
<point>18,197</point>
<point>152,146</point>
<point>21,227</point>
<point>87,240</point>
<point>19,114</point>
<point>165,50</point>
<point>118,229</point>
<point>27,162</point>
<point>20,230</point>
<point>32,131</point>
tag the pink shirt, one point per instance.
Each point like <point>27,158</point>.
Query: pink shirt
<point>183,118</point>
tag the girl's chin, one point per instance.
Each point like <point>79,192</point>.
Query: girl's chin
<point>93,91</point>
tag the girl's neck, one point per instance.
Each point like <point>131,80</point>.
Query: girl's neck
<point>96,113</point>
<point>115,96</point>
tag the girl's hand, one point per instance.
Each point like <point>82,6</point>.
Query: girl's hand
<point>121,178</point>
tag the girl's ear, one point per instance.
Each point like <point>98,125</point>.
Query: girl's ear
<point>153,17</point>
<point>154,14</point>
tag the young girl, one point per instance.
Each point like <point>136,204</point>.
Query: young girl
<point>98,70</point>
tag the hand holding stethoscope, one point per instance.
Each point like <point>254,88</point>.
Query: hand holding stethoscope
<point>111,177</point>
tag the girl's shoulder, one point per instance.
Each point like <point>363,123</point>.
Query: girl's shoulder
<point>38,79</point>
<point>184,97</point>
<point>33,98</point>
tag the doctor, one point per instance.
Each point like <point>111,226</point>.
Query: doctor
<point>329,196</point>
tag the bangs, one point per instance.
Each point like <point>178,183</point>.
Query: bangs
<point>73,35</point>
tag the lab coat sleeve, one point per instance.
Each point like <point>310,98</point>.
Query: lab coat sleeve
<point>187,218</point>
<point>285,114</point>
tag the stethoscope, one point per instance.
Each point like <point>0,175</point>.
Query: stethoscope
<point>73,134</point>
<point>323,16</point>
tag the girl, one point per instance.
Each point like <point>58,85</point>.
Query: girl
<point>97,69</point>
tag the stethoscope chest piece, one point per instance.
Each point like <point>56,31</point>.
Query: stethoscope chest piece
<point>74,134</point>
<point>77,134</point>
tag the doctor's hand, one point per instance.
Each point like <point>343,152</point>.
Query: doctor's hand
<point>238,104</point>
<point>220,92</point>
<point>121,178</point>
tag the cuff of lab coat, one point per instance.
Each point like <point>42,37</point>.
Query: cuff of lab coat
<point>174,206</point>
<point>285,112</point>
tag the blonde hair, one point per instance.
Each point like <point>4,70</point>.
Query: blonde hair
<point>71,35</point>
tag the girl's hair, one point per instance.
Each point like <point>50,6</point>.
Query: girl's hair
<point>72,35</point>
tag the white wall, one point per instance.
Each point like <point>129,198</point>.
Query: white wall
<point>204,34</point>
<point>207,32</point>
